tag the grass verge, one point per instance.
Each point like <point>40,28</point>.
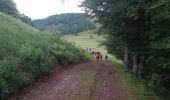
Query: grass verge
<point>135,87</point>
<point>88,84</point>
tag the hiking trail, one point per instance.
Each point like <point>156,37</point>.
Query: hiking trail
<point>86,81</point>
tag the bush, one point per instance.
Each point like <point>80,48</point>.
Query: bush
<point>11,77</point>
<point>3,89</point>
<point>46,67</point>
<point>67,53</point>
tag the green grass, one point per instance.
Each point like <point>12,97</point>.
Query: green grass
<point>11,30</point>
<point>18,42</point>
<point>85,75</point>
<point>134,86</point>
<point>85,41</point>
<point>87,78</point>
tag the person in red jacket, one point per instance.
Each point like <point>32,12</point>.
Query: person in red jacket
<point>97,54</point>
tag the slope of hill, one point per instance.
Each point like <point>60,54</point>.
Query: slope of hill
<point>70,23</point>
<point>27,53</point>
<point>11,35</point>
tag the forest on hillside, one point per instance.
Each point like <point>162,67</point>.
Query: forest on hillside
<point>69,23</point>
<point>9,7</point>
<point>138,33</point>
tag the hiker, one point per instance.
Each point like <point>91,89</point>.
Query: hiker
<point>92,52</point>
<point>97,57</point>
<point>101,57</point>
<point>97,54</point>
<point>106,57</point>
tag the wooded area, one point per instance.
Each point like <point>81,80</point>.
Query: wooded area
<point>9,7</point>
<point>69,23</point>
<point>138,33</point>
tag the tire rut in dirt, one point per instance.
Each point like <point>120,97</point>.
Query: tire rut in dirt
<point>108,84</point>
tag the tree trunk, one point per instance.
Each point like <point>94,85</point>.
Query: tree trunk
<point>126,60</point>
<point>140,68</point>
<point>135,64</point>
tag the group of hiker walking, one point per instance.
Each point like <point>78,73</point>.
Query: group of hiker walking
<point>98,56</point>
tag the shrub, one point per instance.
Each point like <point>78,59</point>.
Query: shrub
<point>67,53</point>
<point>3,89</point>
<point>11,77</point>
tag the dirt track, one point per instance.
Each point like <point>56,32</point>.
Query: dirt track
<point>63,85</point>
<point>109,84</point>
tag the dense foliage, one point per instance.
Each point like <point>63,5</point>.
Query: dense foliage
<point>26,54</point>
<point>138,33</point>
<point>9,7</point>
<point>25,19</point>
<point>71,23</point>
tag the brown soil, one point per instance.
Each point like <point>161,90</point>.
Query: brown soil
<point>63,85</point>
<point>109,85</point>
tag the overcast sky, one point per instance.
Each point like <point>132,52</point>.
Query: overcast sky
<point>38,9</point>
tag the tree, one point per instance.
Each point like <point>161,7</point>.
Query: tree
<point>124,20</point>
<point>9,7</point>
<point>26,19</point>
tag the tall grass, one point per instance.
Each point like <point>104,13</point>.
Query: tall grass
<point>134,87</point>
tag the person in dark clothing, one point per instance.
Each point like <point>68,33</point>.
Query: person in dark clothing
<point>106,57</point>
<point>101,57</point>
<point>92,52</point>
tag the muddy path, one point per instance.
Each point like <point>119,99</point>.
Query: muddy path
<point>86,81</point>
<point>108,84</point>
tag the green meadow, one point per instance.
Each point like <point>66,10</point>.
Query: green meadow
<point>87,40</point>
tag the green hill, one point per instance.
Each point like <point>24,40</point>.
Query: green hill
<point>70,23</point>
<point>26,54</point>
<point>13,34</point>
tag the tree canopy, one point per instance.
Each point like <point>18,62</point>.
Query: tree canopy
<point>9,7</point>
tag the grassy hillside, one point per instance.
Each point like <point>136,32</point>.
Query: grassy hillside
<point>70,23</point>
<point>26,54</point>
<point>11,35</point>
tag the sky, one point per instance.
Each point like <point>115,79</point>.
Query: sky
<point>38,9</point>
